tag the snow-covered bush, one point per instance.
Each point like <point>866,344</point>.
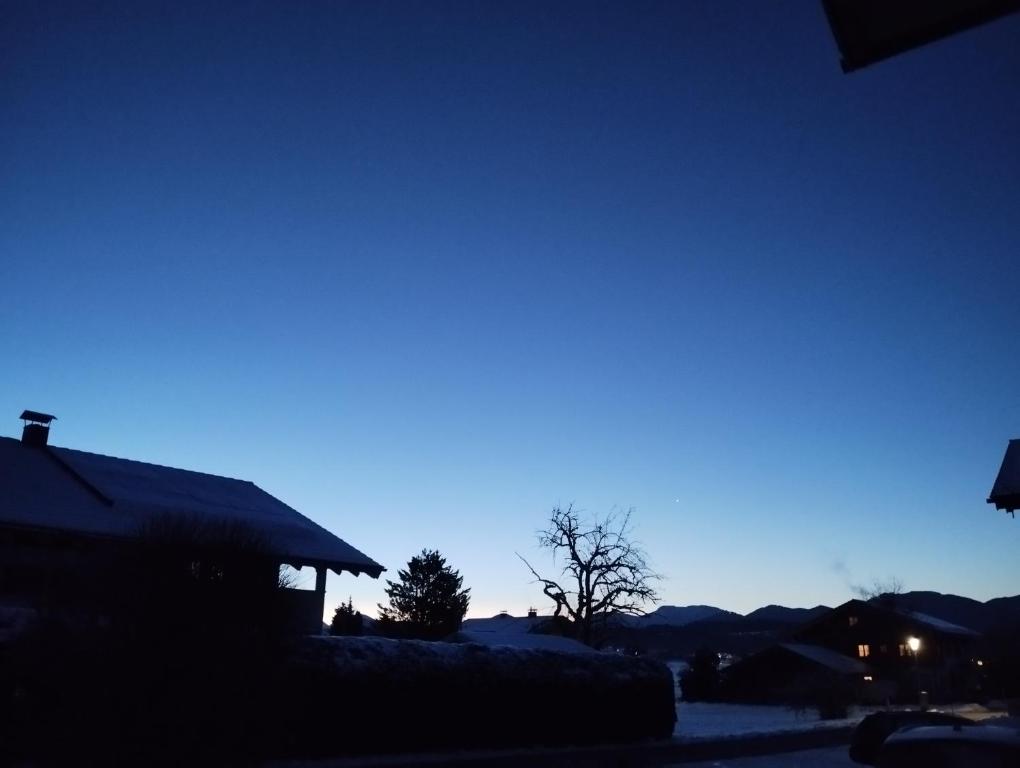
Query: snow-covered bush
<point>116,696</point>
<point>381,695</point>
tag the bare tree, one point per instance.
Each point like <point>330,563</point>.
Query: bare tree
<point>602,570</point>
<point>879,589</point>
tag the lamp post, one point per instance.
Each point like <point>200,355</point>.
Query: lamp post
<point>914,643</point>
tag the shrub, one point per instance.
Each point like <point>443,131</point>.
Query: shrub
<point>344,689</point>
<point>346,620</point>
<point>700,681</point>
<point>829,696</point>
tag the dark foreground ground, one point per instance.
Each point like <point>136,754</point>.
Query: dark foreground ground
<point>782,749</point>
<point>829,757</point>
<point>826,757</point>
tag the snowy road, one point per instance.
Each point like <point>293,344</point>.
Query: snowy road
<point>830,757</point>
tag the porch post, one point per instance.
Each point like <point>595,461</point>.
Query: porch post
<point>320,597</point>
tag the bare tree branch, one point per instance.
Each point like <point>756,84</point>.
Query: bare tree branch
<point>879,589</point>
<point>609,568</point>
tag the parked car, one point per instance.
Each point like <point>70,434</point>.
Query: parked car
<point>956,746</point>
<point>873,730</point>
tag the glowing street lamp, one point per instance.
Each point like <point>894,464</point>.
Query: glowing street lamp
<point>914,644</point>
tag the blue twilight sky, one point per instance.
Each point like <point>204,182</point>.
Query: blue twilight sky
<point>425,270</point>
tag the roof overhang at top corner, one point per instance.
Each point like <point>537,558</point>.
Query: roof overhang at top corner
<point>1005,493</point>
<point>869,31</point>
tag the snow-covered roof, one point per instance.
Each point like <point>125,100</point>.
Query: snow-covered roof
<point>1006,491</point>
<point>504,623</point>
<point>521,640</point>
<point>87,493</point>
<point>888,607</point>
<point>830,659</point>
<point>940,624</point>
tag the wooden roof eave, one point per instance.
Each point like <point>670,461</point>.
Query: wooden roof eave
<point>337,567</point>
<point>1006,502</point>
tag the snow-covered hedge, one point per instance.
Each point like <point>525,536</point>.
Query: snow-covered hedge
<point>108,696</point>
<point>347,694</point>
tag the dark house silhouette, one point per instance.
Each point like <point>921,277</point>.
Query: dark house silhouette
<point>64,513</point>
<point>883,632</point>
<point>880,644</point>
<point>785,671</point>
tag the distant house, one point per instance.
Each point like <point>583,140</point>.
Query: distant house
<point>64,512</point>
<point>879,649</point>
<point>782,673</point>
<point>1005,493</point>
<point>900,645</point>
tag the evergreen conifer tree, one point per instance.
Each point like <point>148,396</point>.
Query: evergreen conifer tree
<point>427,601</point>
<point>346,620</point>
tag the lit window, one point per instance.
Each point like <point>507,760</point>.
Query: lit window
<point>863,651</point>
<point>868,678</point>
<point>853,621</point>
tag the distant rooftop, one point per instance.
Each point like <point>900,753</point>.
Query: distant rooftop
<point>503,623</point>
<point>939,624</point>
<point>827,658</point>
<point>514,639</point>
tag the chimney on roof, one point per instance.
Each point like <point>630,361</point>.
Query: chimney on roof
<point>37,428</point>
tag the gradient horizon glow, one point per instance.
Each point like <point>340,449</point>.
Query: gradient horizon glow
<point>424,271</point>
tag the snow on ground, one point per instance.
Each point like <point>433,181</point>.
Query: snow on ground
<point>700,720</point>
<point>712,720</point>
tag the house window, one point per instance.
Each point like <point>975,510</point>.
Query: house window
<point>852,620</point>
<point>863,651</point>
<point>868,678</point>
